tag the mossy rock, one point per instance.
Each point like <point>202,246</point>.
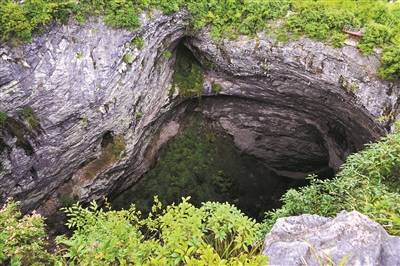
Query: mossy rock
<point>28,115</point>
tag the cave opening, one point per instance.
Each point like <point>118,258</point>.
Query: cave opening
<point>245,151</point>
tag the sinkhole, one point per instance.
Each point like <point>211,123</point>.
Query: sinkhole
<point>252,143</point>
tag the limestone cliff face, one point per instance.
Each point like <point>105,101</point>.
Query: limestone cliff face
<point>88,110</point>
<point>76,81</point>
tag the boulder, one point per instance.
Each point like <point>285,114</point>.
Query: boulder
<point>350,238</point>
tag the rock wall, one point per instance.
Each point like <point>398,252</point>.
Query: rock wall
<point>88,110</point>
<point>348,239</point>
<point>76,81</point>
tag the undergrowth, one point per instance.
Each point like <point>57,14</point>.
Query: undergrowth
<point>213,234</point>
<point>22,238</point>
<point>378,20</point>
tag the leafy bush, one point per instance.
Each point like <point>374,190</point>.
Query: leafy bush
<point>368,182</point>
<point>13,22</point>
<point>122,14</point>
<point>138,42</point>
<point>375,35</point>
<point>22,238</point>
<point>391,62</point>
<point>213,234</point>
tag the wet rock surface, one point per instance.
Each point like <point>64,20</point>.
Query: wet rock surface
<point>349,238</point>
<point>300,107</point>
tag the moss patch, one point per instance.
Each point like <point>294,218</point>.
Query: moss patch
<point>138,42</point>
<point>128,58</point>
<point>216,88</point>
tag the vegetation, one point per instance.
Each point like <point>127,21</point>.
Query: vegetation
<point>3,118</point>
<point>79,55</point>
<point>128,58</point>
<point>368,182</point>
<point>167,54</point>
<point>22,238</point>
<point>188,75</point>
<point>211,234</point>
<point>29,116</point>
<point>138,42</point>
<point>216,88</point>
<point>205,233</point>
<point>204,164</point>
<point>318,19</point>
<point>214,234</point>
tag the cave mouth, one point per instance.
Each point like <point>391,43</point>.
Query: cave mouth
<point>208,159</point>
<point>203,162</point>
<point>248,146</point>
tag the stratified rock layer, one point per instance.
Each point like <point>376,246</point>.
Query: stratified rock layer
<point>300,107</point>
<point>76,81</point>
<point>350,238</point>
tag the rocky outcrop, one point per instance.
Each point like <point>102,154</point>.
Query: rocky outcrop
<point>81,89</point>
<point>349,238</point>
<point>88,110</point>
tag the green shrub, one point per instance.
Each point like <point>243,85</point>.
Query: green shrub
<point>128,58</point>
<point>38,12</point>
<point>368,182</point>
<point>138,42</point>
<point>376,35</point>
<point>213,234</point>
<point>391,62</point>
<point>13,22</point>
<point>122,14</point>
<point>337,39</point>
<point>167,54</point>
<point>216,88</point>
<point>22,238</point>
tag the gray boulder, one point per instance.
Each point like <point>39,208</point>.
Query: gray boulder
<point>350,238</point>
